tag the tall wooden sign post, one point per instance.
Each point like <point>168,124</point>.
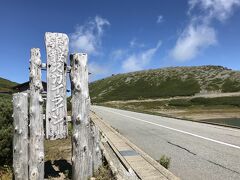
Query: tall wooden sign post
<point>56,112</point>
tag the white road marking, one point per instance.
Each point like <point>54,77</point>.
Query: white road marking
<point>173,129</point>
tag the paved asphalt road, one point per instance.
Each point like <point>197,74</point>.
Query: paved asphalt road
<point>197,151</point>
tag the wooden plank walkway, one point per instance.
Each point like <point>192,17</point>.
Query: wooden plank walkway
<point>130,155</point>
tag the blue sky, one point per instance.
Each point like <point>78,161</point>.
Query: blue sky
<point>122,36</point>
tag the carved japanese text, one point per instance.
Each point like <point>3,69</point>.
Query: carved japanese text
<point>56,111</point>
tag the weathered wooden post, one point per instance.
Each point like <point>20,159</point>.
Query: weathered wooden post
<point>20,138</point>
<point>56,111</point>
<point>36,146</point>
<point>81,150</point>
<point>96,152</point>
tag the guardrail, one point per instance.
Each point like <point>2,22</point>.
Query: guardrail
<point>126,160</point>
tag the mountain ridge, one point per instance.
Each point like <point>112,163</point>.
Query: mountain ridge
<point>6,85</point>
<point>165,82</point>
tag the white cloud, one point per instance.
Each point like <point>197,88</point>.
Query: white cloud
<point>159,19</point>
<point>192,41</point>
<point>219,9</point>
<point>96,69</point>
<point>117,54</point>
<point>138,61</point>
<point>200,33</point>
<point>88,37</point>
<point>134,44</point>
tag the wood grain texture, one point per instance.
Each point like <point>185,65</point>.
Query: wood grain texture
<point>36,147</point>
<point>20,138</point>
<point>56,108</point>
<point>95,144</point>
<point>118,170</point>
<point>81,145</point>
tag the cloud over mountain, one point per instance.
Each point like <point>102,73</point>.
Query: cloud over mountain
<point>88,37</point>
<point>200,32</point>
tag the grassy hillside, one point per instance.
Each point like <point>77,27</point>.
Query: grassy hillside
<point>5,123</point>
<point>5,129</point>
<point>5,85</point>
<point>165,82</point>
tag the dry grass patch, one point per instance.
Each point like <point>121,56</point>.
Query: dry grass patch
<point>58,149</point>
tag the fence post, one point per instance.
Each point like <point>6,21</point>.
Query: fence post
<point>96,152</point>
<point>20,138</point>
<point>36,147</point>
<point>82,152</point>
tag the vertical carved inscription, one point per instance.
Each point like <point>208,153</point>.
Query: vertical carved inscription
<point>56,109</point>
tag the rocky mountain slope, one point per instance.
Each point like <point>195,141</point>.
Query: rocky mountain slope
<point>165,82</point>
